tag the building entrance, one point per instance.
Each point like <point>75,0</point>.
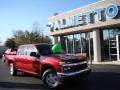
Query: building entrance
<point>114,48</point>
<point>110,44</point>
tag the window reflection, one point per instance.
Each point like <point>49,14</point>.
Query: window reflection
<point>78,43</point>
<point>69,43</point>
<point>108,43</point>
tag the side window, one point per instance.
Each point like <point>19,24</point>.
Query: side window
<point>30,49</point>
<point>21,50</point>
<point>8,51</point>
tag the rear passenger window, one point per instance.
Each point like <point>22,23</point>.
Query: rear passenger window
<point>21,50</point>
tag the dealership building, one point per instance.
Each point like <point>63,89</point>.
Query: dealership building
<point>93,30</point>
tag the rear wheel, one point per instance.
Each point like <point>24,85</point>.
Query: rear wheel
<point>50,78</point>
<point>3,60</point>
<point>13,71</point>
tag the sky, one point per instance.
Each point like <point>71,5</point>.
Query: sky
<point>21,14</point>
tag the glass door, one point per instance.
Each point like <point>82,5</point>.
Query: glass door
<point>110,44</point>
<point>118,46</point>
<point>114,47</point>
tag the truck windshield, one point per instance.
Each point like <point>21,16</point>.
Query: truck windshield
<point>44,49</point>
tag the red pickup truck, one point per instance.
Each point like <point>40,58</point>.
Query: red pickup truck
<point>38,59</point>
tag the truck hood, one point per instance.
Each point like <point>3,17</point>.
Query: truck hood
<point>68,57</point>
<point>65,57</point>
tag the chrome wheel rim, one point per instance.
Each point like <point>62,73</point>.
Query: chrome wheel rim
<point>3,60</point>
<point>11,69</point>
<point>52,80</point>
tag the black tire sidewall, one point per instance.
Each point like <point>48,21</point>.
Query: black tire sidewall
<point>45,75</point>
<point>3,60</point>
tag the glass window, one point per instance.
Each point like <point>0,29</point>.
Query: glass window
<point>83,43</point>
<point>44,49</point>
<point>8,51</point>
<point>119,44</point>
<point>64,21</point>
<point>91,46</point>
<point>63,43</point>
<point>30,49</point>
<point>108,43</point>
<point>105,44</point>
<point>69,43</point>
<point>21,50</point>
<point>77,43</point>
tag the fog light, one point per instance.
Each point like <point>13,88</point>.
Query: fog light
<point>67,68</point>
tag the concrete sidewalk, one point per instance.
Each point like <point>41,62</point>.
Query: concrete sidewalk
<point>107,62</point>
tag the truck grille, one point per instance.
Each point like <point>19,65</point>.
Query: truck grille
<point>74,68</point>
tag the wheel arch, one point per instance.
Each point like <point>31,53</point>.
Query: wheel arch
<point>10,61</point>
<point>46,67</point>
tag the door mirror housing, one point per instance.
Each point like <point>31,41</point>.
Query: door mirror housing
<point>35,54</point>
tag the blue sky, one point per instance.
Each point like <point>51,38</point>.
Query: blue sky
<point>21,14</point>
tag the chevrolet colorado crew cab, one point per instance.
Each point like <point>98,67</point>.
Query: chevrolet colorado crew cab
<point>38,59</point>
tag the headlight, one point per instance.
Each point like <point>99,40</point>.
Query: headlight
<point>61,63</point>
<point>84,62</point>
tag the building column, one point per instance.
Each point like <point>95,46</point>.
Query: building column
<point>55,39</point>
<point>118,52</point>
<point>96,45</point>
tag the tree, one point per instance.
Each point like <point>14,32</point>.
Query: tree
<point>28,37</point>
<point>10,43</point>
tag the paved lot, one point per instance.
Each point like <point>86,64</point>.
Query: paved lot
<point>103,77</point>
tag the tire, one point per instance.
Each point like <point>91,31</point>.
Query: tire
<point>50,78</point>
<point>3,60</point>
<point>13,71</point>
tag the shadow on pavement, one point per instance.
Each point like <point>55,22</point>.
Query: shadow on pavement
<point>96,81</point>
<point>13,85</point>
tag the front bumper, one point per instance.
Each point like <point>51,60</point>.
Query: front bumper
<point>74,74</point>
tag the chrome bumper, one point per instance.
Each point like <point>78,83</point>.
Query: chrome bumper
<point>73,73</point>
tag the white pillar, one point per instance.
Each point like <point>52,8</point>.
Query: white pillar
<point>96,45</point>
<point>117,45</point>
<point>55,39</point>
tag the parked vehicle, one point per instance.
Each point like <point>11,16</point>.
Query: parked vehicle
<point>38,59</point>
<point>2,50</point>
<point>8,54</point>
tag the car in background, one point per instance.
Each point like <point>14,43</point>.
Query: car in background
<point>0,54</point>
<point>6,55</point>
<point>2,50</point>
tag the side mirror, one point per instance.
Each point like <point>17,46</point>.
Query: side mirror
<point>34,54</point>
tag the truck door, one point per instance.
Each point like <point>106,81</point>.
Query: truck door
<point>20,57</point>
<point>32,63</point>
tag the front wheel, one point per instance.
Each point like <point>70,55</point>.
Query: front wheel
<point>12,69</point>
<point>50,78</point>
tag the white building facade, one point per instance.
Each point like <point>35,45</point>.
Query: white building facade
<point>93,29</point>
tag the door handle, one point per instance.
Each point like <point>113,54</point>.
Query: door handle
<point>25,58</point>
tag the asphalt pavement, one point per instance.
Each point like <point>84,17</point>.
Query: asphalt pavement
<point>102,77</point>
